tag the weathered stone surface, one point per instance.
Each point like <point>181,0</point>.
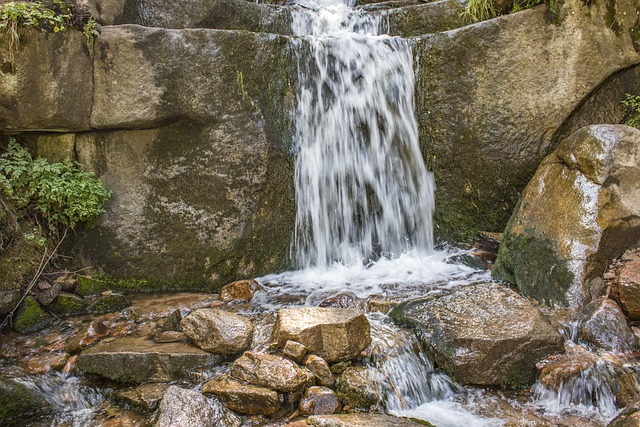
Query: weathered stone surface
<point>145,397</point>
<point>491,97</point>
<point>629,417</point>
<point>19,401</point>
<point>605,326</point>
<point>241,290</point>
<point>243,398</point>
<point>580,210</point>
<point>627,286</point>
<point>320,369</point>
<point>222,14</point>
<point>361,420</point>
<point>170,336</point>
<point>359,387</point>
<point>188,408</point>
<point>418,19</point>
<point>483,334</point>
<point>204,194</point>
<point>46,84</point>
<point>559,368</point>
<point>86,337</point>
<point>47,295</point>
<point>67,304</point>
<point>270,371</point>
<point>137,360</point>
<point>30,316</point>
<point>218,331</point>
<point>109,303</point>
<point>334,334</point>
<point>294,351</point>
<point>319,401</point>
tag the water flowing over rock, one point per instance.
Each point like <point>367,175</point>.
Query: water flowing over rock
<point>335,334</point>
<point>137,360</point>
<point>483,334</point>
<point>188,408</point>
<point>218,331</point>
<point>579,211</point>
<point>605,326</point>
<point>271,371</point>
<point>243,398</point>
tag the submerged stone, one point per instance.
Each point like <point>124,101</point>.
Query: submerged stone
<point>484,334</point>
<point>218,331</point>
<point>335,334</point>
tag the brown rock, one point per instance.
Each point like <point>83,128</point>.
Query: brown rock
<point>335,334</point>
<point>294,351</point>
<point>218,331</point>
<point>47,293</point>
<point>629,417</point>
<point>188,408</point>
<point>146,397</point>
<point>605,326</point>
<point>241,290</point>
<point>346,300</point>
<point>320,369</point>
<point>627,285</point>
<point>242,398</point>
<point>87,337</point>
<point>359,387</point>
<point>170,336</point>
<point>559,368</point>
<point>271,371</point>
<point>319,401</point>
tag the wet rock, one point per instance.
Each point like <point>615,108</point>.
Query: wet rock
<point>359,387</point>
<point>627,286</point>
<point>605,326</point>
<point>137,360</point>
<point>109,303</point>
<point>18,401</point>
<point>243,398</point>
<point>172,322</point>
<point>271,371</point>
<point>483,334</point>
<point>146,397</point>
<point>241,290</point>
<point>47,292</point>
<point>86,337</point>
<point>381,304</point>
<point>580,210</point>
<point>67,304</point>
<point>363,420</point>
<point>629,417</point>
<point>170,336</point>
<point>319,401</point>
<point>188,408</point>
<point>335,334</point>
<point>30,316</point>
<point>346,300</point>
<point>294,351</point>
<point>218,331</point>
<point>320,369</point>
<point>559,368</point>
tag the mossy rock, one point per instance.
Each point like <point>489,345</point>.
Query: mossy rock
<point>87,286</point>
<point>18,401</point>
<point>68,305</point>
<point>109,304</point>
<point>30,317</point>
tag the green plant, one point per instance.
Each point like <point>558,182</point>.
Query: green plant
<point>632,103</point>
<point>61,194</point>
<point>479,10</point>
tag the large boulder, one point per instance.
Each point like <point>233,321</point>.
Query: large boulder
<point>362,420</point>
<point>483,334</point>
<point>244,398</point>
<point>271,371</point>
<point>580,210</point>
<point>604,325</point>
<point>17,401</point>
<point>492,98</point>
<point>218,331</point>
<point>188,408</point>
<point>138,361</point>
<point>335,334</point>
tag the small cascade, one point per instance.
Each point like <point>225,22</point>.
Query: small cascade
<point>362,189</point>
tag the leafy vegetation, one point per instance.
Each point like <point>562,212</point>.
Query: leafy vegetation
<point>632,103</point>
<point>59,194</point>
<point>48,15</point>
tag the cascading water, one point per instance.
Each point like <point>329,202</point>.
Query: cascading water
<point>361,185</point>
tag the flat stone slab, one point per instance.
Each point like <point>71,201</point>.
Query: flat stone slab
<point>138,360</point>
<point>360,420</point>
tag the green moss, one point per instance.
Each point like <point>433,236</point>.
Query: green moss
<point>109,304</point>
<point>30,316</point>
<point>18,401</point>
<point>87,286</point>
<point>68,305</point>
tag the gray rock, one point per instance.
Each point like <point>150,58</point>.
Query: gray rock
<point>334,334</point>
<point>319,401</point>
<point>627,285</point>
<point>137,360</point>
<point>580,210</point>
<point>493,97</point>
<point>483,334</point>
<point>188,408</point>
<point>270,371</point>
<point>359,387</point>
<point>243,398</point>
<point>218,331</point>
<point>605,326</point>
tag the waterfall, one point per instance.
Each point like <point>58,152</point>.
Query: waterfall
<point>362,189</point>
